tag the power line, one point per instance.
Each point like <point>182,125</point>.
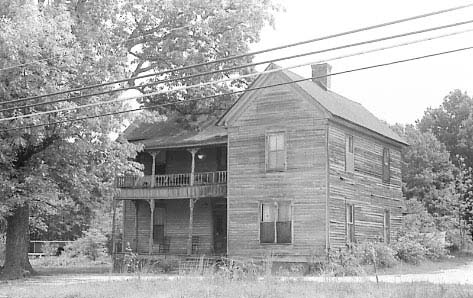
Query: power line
<point>249,54</point>
<point>247,90</point>
<point>198,85</point>
<point>242,66</point>
<point>65,55</point>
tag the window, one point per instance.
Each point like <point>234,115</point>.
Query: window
<point>386,165</point>
<point>350,223</point>
<point>387,226</point>
<point>275,152</point>
<point>276,222</point>
<point>349,154</point>
<point>158,225</point>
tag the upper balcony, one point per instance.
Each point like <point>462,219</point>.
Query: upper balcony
<point>173,186</point>
<point>178,173</point>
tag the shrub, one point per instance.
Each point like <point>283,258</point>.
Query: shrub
<point>49,249</point>
<point>92,245</point>
<point>409,250</point>
<point>370,252</point>
<point>343,262</point>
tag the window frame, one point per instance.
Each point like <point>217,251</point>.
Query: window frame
<point>275,221</point>
<point>350,225</point>
<point>386,165</point>
<point>387,226</point>
<point>349,153</point>
<point>278,168</point>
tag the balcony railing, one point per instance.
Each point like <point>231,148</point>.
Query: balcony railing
<point>172,180</point>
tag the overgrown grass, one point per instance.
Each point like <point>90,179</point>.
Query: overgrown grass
<point>217,287</point>
<point>52,265</point>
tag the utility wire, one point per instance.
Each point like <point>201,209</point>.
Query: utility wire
<point>65,55</point>
<point>247,90</point>
<point>244,66</point>
<point>249,54</point>
<point>191,86</point>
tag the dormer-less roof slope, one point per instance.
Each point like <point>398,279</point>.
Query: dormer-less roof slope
<point>336,105</point>
<point>171,133</point>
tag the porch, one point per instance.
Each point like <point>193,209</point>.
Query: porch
<point>173,186</point>
<point>170,227</point>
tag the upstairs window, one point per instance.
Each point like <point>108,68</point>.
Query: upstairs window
<point>386,165</point>
<point>275,151</point>
<point>349,154</point>
<point>276,223</point>
<point>350,223</point>
<point>387,226</point>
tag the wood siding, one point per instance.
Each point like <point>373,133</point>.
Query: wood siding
<point>176,225</point>
<point>363,188</point>
<point>303,182</point>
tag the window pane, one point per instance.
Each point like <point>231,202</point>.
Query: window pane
<point>272,142</point>
<point>349,213</point>
<point>349,144</point>
<point>284,211</point>
<point>268,213</point>
<point>280,159</point>
<point>280,141</point>
<point>284,232</point>
<point>267,232</point>
<point>272,160</point>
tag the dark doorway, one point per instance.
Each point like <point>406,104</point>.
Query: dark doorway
<point>220,226</point>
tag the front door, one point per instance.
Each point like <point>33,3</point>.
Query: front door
<point>220,227</point>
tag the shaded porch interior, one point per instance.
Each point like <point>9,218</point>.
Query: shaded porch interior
<point>170,231</point>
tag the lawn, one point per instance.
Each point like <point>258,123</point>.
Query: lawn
<point>218,287</point>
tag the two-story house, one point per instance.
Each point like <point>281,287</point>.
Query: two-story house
<point>292,170</point>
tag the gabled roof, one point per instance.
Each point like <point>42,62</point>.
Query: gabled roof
<point>171,133</point>
<point>336,105</point>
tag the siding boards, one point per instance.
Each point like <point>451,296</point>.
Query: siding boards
<point>303,182</point>
<point>363,188</point>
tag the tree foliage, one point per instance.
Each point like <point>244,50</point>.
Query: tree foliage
<point>452,123</point>
<point>62,165</point>
<point>74,43</point>
<point>427,172</point>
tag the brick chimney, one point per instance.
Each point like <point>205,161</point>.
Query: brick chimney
<point>319,70</point>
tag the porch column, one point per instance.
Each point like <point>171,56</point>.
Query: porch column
<point>151,226</point>
<point>153,168</point>
<point>192,201</point>
<point>114,212</point>
<point>136,225</point>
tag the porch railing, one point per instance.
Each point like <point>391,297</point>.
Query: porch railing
<point>171,180</point>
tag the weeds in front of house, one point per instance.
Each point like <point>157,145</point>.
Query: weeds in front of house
<point>212,287</point>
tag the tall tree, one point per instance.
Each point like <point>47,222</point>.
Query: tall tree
<point>451,124</point>
<point>427,172</point>
<point>165,35</point>
<point>45,167</point>
<point>84,42</point>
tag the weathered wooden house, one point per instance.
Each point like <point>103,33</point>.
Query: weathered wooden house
<point>292,170</point>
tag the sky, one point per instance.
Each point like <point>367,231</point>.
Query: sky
<point>396,94</point>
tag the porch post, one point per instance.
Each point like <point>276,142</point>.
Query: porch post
<point>151,226</point>
<point>136,225</point>
<point>192,200</point>
<point>114,212</point>
<point>153,168</point>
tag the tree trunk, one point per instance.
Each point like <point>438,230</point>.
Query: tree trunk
<point>17,264</point>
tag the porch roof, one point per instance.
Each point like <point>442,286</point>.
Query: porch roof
<point>172,133</point>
